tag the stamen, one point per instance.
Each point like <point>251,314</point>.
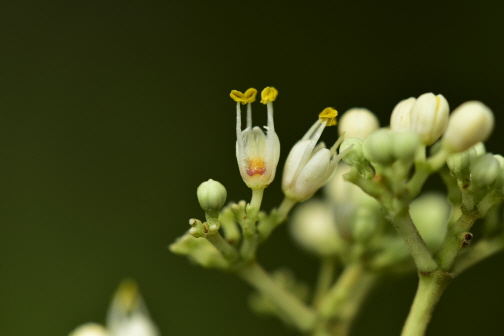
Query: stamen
<point>329,114</point>
<point>244,98</point>
<point>269,94</point>
<point>249,116</point>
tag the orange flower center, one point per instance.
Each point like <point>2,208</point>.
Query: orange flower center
<point>256,167</point>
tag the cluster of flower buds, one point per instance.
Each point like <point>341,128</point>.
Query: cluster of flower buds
<point>429,117</point>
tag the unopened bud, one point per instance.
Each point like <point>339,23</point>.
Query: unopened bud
<point>211,196</point>
<point>314,228</point>
<point>401,115</point>
<point>429,213</point>
<point>354,157</point>
<point>377,147</point>
<point>469,124</point>
<point>405,145</point>
<point>484,170</point>
<point>429,117</point>
<point>459,162</point>
<point>358,123</point>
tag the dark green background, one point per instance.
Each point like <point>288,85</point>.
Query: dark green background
<point>112,113</point>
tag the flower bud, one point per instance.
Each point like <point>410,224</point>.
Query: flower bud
<point>358,123</point>
<point>314,228</point>
<point>401,115</point>
<point>211,196</point>
<point>469,124</point>
<point>484,170</point>
<point>90,329</point>
<point>354,157</point>
<point>405,145</point>
<point>429,117</point>
<point>377,147</point>
<point>429,213</point>
<point>480,148</point>
<point>459,162</point>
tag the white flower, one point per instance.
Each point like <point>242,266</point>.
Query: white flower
<point>309,166</point>
<point>127,316</point>
<point>429,117</point>
<point>257,153</point>
<point>358,123</point>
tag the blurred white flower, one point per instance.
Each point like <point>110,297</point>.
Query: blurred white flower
<point>127,316</point>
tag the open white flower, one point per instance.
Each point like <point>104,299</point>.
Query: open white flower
<point>257,153</point>
<point>309,166</point>
<point>127,316</point>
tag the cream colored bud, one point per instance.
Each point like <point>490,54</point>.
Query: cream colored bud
<point>429,117</point>
<point>90,329</point>
<point>358,123</point>
<point>314,228</point>
<point>429,213</point>
<point>401,115</point>
<point>469,124</point>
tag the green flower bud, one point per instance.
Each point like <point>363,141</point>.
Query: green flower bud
<point>405,145</point>
<point>484,170</point>
<point>313,227</point>
<point>377,147</point>
<point>459,163</point>
<point>354,157</point>
<point>211,196</point>
<point>429,213</point>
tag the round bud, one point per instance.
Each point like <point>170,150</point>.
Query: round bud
<point>429,213</point>
<point>429,117</point>
<point>211,196</point>
<point>469,124</point>
<point>358,123</point>
<point>354,157</point>
<point>459,162</point>
<point>313,227</point>
<point>90,329</point>
<point>484,169</point>
<point>401,115</point>
<point>377,147</point>
<point>405,145</point>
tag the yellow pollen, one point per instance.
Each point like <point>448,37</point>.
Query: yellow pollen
<point>328,114</point>
<point>268,94</point>
<point>248,97</point>
<point>256,167</point>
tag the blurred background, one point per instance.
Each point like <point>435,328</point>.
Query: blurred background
<point>112,113</point>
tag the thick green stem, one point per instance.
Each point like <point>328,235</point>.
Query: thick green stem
<point>430,289</point>
<point>340,291</point>
<point>298,314</point>
<point>341,305</point>
<point>421,254</point>
<point>325,279</point>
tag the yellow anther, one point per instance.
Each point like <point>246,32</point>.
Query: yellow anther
<point>128,295</point>
<point>328,114</point>
<point>268,94</point>
<point>248,97</point>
